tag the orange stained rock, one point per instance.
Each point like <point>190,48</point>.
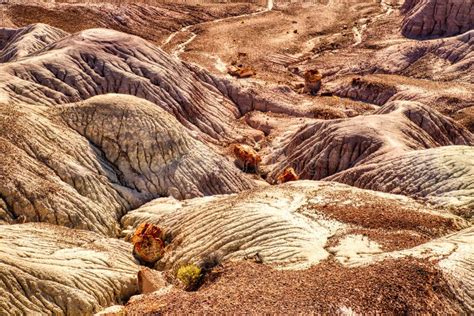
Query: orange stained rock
<point>247,156</point>
<point>241,72</point>
<point>312,80</point>
<point>289,174</point>
<point>148,245</point>
<point>312,75</point>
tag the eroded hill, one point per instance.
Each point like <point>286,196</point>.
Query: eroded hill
<point>118,117</point>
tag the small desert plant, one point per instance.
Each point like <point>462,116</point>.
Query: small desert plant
<point>190,276</point>
<point>209,262</point>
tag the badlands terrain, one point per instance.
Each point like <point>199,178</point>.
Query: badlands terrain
<point>292,157</point>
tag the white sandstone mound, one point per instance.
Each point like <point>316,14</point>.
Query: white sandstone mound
<point>444,176</point>
<point>47,269</point>
<point>84,165</point>
<point>288,225</point>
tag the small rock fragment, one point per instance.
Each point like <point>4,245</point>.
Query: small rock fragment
<point>241,55</point>
<point>241,71</point>
<point>289,174</point>
<point>312,80</point>
<point>298,86</point>
<point>150,280</point>
<point>257,258</point>
<point>247,158</point>
<point>293,69</point>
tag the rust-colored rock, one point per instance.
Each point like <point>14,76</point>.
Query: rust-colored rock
<point>241,72</point>
<point>312,81</point>
<point>289,174</point>
<point>148,245</point>
<point>150,280</point>
<point>246,157</point>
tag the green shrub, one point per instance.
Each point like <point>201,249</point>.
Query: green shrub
<point>190,276</point>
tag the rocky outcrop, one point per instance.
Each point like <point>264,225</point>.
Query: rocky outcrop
<point>312,81</point>
<point>289,224</point>
<point>47,269</point>
<point>428,18</point>
<point>246,158</point>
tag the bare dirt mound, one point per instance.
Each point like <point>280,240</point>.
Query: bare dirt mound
<point>84,165</point>
<point>428,18</point>
<point>47,269</point>
<point>452,99</point>
<point>16,43</point>
<point>151,150</point>
<point>403,148</point>
<point>453,255</point>
<point>390,287</point>
<point>447,59</point>
<point>103,61</point>
<point>324,148</point>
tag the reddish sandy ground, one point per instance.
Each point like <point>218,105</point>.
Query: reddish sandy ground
<point>391,287</point>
